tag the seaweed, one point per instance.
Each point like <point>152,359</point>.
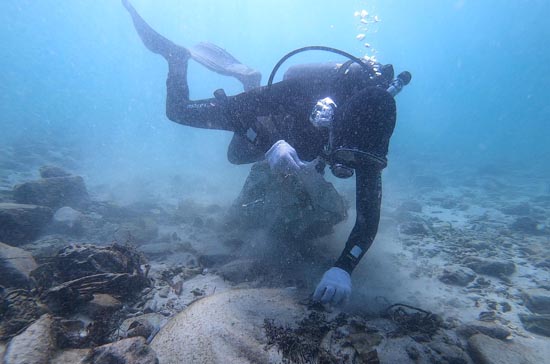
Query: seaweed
<point>413,321</point>
<point>303,343</point>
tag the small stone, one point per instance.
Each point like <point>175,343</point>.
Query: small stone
<point>487,316</point>
<point>164,292</point>
<point>143,329</point>
<point>458,276</point>
<point>52,171</point>
<point>505,306</point>
<point>53,192</point>
<point>495,268</point>
<point>449,353</point>
<point>240,270</point>
<point>197,292</point>
<point>481,283</point>
<point>102,305</point>
<point>479,327</point>
<point>151,306</point>
<point>21,223</point>
<point>126,351</point>
<point>15,267</point>
<point>70,356</point>
<point>364,343</point>
<point>34,345</point>
<point>486,350</point>
<point>539,324</point>
<point>537,300</point>
<point>414,228</point>
<point>143,325</point>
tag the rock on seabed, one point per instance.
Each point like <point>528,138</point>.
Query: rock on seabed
<point>21,223</point>
<point>53,192</point>
<point>538,324</point>
<point>537,300</point>
<point>494,268</point>
<point>486,350</point>
<point>226,328</point>
<point>15,266</point>
<point>458,276</point>
<point>126,351</point>
<point>50,171</point>
<point>34,345</point>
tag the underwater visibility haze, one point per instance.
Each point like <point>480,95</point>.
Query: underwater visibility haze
<point>120,193</point>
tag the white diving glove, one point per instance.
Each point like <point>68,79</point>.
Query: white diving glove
<point>334,288</point>
<point>283,159</point>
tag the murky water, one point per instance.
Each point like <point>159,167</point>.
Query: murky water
<point>115,220</point>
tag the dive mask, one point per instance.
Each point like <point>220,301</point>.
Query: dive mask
<point>322,114</point>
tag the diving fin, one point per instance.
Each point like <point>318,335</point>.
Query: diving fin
<point>220,61</point>
<point>155,42</point>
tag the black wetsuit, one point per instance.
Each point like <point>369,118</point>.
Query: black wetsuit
<point>261,116</point>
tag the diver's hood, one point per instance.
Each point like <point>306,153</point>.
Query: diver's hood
<point>362,128</point>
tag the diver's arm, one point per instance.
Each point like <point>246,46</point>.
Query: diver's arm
<point>335,285</point>
<point>368,200</point>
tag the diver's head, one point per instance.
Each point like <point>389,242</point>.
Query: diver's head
<point>359,132</point>
<point>352,77</point>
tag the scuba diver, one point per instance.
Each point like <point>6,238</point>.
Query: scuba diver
<point>340,115</point>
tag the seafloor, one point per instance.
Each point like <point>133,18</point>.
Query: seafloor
<point>459,272</point>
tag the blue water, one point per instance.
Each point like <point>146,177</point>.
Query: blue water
<point>76,72</point>
<point>79,89</point>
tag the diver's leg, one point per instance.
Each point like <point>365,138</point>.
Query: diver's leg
<point>208,114</point>
<point>155,42</point>
<point>208,54</point>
